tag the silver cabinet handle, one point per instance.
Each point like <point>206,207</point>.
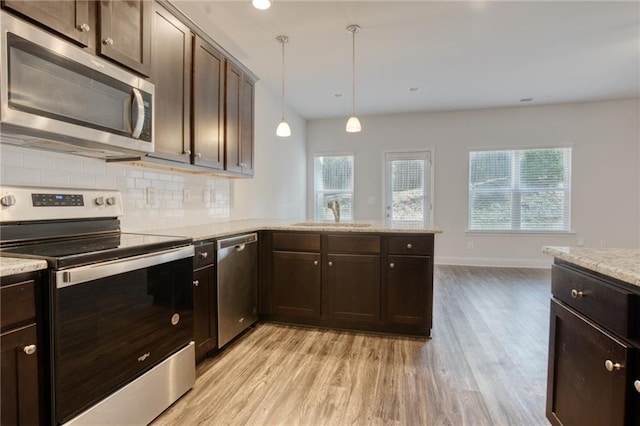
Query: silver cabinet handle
<point>204,254</point>
<point>577,293</point>
<point>29,349</point>
<point>636,384</point>
<point>199,155</point>
<point>85,28</point>
<point>610,365</point>
<point>330,263</point>
<point>187,152</point>
<point>392,265</point>
<point>315,262</point>
<point>196,283</point>
<point>108,41</point>
<point>409,246</point>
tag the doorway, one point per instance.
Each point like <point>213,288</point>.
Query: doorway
<point>407,189</point>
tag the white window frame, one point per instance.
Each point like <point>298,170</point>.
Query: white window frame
<point>515,189</point>
<point>410,154</point>
<point>313,182</point>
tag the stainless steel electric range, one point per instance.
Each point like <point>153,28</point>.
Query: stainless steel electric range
<point>118,306</point>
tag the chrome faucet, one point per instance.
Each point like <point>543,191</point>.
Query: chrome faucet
<point>334,206</point>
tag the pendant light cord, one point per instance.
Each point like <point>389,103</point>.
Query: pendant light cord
<point>353,73</point>
<point>283,41</point>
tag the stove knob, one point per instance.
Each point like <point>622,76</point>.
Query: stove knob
<point>8,200</point>
<point>111,201</point>
<point>100,201</point>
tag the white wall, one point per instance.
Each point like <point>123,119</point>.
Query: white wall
<point>278,189</point>
<point>606,181</point>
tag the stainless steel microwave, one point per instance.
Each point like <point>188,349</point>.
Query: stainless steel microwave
<point>54,95</point>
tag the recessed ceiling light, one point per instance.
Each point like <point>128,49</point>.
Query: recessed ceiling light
<point>414,89</point>
<point>337,95</point>
<point>526,100</point>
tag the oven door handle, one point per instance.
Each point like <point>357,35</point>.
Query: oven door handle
<point>83,274</point>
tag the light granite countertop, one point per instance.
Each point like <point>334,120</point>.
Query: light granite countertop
<point>12,265</point>
<point>622,264</point>
<point>222,229</point>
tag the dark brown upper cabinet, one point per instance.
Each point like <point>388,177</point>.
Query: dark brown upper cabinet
<point>73,19</point>
<point>208,105</point>
<point>239,110</point>
<point>125,33</point>
<point>171,75</point>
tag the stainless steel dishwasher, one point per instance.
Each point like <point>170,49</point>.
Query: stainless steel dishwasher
<point>237,285</point>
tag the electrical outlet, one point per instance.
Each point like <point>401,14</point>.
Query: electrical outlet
<point>151,195</point>
<point>580,242</point>
<point>213,195</point>
<point>186,195</point>
<point>206,196</point>
<point>469,245</point>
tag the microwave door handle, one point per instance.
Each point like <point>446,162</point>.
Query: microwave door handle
<point>137,102</point>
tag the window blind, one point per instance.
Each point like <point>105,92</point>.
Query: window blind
<point>520,190</point>
<point>333,181</point>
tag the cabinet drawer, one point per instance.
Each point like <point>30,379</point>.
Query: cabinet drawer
<point>417,245</point>
<point>359,244</point>
<point>17,303</point>
<point>203,255</point>
<point>610,306</point>
<point>295,241</point>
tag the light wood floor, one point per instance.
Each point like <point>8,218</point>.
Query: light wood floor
<point>485,365</point>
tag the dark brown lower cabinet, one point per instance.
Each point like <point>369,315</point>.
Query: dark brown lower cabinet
<point>350,280</point>
<point>19,370</point>
<point>21,362</point>
<point>297,285</point>
<point>205,324</point>
<point>352,288</point>
<point>581,390</point>
<point>408,292</point>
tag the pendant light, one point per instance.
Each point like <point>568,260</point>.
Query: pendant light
<point>283,130</point>
<point>353,125</point>
<point>261,4</point>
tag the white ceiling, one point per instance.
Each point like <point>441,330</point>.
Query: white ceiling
<point>461,54</point>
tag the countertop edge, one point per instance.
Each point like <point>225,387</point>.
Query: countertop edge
<point>596,260</point>
<point>12,266</point>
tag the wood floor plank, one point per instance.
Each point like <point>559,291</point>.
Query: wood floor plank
<point>485,365</point>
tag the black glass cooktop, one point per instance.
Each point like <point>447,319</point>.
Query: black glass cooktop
<point>64,253</point>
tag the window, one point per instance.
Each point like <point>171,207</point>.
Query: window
<point>520,190</point>
<point>407,189</point>
<point>333,181</point>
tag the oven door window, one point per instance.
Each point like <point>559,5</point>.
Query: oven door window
<point>111,330</point>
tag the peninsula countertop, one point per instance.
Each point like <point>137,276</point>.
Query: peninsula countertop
<point>622,264</point>
<point>223,229</point>
<point>12,265</point>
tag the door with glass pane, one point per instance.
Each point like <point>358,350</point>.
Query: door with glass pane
<point>407,193</point>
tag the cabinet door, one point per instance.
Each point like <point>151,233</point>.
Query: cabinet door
<point>580,390</point>
<point>208,105</point>
<point>409,290</point>
<point>296,283</point>
<point>125,33</point>
<point>246,126</point>
<point>19,377</point>
<point>204,312</point>
<point>352,288</point>
<point>232,119</point>
<point>171,75</point>
<point>70,18</point>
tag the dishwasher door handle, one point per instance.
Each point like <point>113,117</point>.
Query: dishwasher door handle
<point>240,247</point>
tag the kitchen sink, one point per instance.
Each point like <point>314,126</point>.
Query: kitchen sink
<point>333,224</point>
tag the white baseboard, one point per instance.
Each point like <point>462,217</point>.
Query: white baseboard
<point>495,262</point>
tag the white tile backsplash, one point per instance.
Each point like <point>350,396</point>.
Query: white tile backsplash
<point>20,166</point>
